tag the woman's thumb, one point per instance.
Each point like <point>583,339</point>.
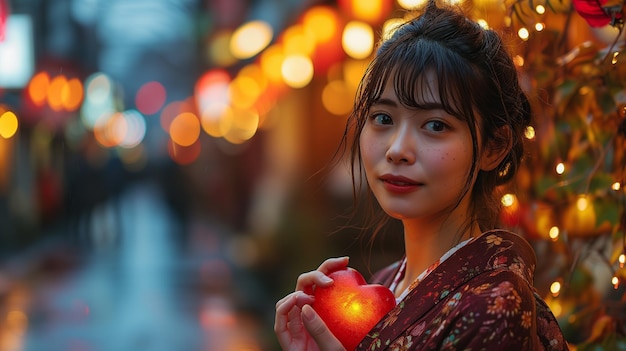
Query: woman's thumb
<point>318,330</point>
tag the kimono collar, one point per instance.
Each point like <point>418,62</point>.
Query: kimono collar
<point>493,250</point>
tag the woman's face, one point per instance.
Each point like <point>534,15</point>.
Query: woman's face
<point>417,161</point>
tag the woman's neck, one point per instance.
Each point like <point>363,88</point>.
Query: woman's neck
<point>426,241</point>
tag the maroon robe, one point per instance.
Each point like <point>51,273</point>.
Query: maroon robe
<point>480,298</point>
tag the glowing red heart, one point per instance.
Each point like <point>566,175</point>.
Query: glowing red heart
<point>351,307</point>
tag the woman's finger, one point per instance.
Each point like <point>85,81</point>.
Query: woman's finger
<point>285,308</point>
<point>333,264</point>
<point>319,331</point>
<point>307,281</point>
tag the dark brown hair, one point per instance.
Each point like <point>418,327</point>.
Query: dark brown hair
<point>477,77</point>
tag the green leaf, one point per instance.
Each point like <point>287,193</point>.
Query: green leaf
<point>606,102</point>
<point>607,210</point>
<point>600,182</point>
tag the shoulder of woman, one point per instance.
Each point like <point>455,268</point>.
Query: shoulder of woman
<point>495,296</point>
<point>496,308</point>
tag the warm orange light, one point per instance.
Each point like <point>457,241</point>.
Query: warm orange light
<point>325,25</point>
<point>554,233</point>
<point>555,288</point>
<point>411,4</point>
<point>510,211</point>
<point>110,130</point>
<point>529,133</point>
<point>217,123</point>
<point>297,71</point>
<point>72,94</point>
<point>56,92</point>
<point>322,23</point>
<point>337,98</point>
<point>271,62</point>
<point>250,39</point>
<point>185,129</point>
<point>8,124</point>
<point>297,40</point>
<point>358,39</point>
<point>244,91</point>
<point>243,126</point>
<point>523,33</point>
<point>371,11</point>
<point>560,168</point>
<point>38,88</point>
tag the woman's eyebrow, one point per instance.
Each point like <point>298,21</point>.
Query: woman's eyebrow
<point>429,105</point>
<point>386,102</point>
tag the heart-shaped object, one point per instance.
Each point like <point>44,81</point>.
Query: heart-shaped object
<point>350,307</point>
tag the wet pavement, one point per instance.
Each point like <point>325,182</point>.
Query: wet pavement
<point>132,284</point>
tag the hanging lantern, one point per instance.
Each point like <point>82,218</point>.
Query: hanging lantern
<point>599,13</point>
<point>4,14</point>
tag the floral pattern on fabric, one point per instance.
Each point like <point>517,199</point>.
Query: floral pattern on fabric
<point>479,298</point>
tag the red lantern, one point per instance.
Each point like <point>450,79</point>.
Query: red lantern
<point>596,13</point>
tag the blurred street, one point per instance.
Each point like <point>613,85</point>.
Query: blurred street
<point>131,285</point>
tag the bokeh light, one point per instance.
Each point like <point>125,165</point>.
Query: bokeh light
<point>321,23</point>
<point>372,11</point>
<point>271,62</point>
<point>38,88</point>
<point>185,129</point>
<point>243,127</point>
<point>358,39</point>
<point>212,91</point>
<point>150,98</point>
<point>8,123</point>
<point>250,38</point>
<point>297,71</point>
<point>135,129</point>
<point>297,40</point>
<point>111,129</point>
<point>337,97</point>
<point>72,94</point>
<point>99,99</point>
<point>55,92</point>
<point>411,4</point>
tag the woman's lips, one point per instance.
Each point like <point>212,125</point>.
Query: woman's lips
<point>399,184</point>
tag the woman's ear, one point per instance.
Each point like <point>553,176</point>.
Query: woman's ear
<point>496,149</point>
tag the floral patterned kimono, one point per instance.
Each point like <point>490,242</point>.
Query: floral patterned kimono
<point>479,297</point>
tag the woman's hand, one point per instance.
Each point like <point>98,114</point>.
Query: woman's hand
<point>297,325</point>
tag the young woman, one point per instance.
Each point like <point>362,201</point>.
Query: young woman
<point>438,125</point>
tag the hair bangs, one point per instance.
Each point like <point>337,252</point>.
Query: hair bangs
<point>413,72</point>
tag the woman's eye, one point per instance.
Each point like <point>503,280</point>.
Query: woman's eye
<point>382,118</point>
<point>436,126</point>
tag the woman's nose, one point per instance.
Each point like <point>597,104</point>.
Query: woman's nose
<point>402,147</point>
